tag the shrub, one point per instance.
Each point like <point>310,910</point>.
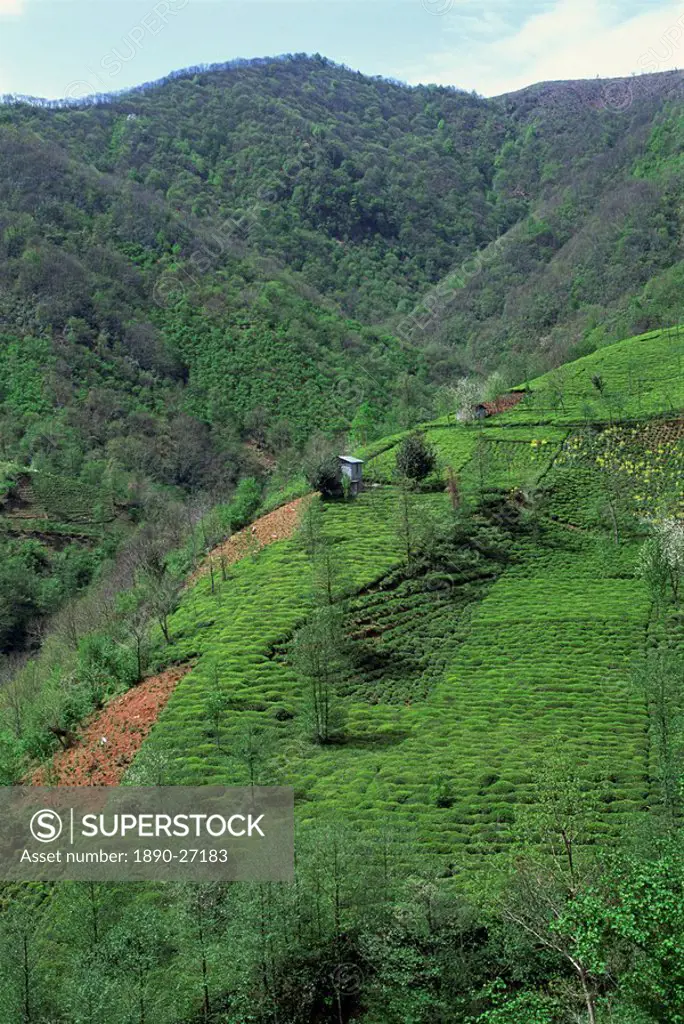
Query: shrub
<point>324,475</point>
<point>245,503</point>
<point>104,665</point>
<point>416,457</point>
<point>11,758</point>
<point>443,793</point>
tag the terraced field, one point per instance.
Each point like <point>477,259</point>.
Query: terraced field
<point>507,459</point>
<point>633,379</point>
<point>465,677</point>
<point>236,629</point>
<point>472,682</point>
<point>46,504</point>
<point>454,445</point>
<point>540,665</point>
<point>548,663</point>
<point>640,471</point>
<point>477,453</point>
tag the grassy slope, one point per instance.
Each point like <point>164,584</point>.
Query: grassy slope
<point>235,628</point>
<point>537,658</point>
<point>642,377</point>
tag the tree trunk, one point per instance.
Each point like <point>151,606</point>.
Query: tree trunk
<point>164,624</point>
<point>27,981</point>
<point>613,516</point>
<point>588,996</point>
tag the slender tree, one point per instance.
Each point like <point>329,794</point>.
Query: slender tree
<point>661,682</point>
<point>551,869</point>
<point>315,655</point>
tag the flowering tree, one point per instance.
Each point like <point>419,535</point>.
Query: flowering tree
<point>661,559</point>
<point>467,394</point>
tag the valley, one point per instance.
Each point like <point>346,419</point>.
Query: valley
<point>469,669</point>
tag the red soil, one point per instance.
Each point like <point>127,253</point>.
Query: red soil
<point>277,525</point>
<point>111,739</point>
<point>504,402</point>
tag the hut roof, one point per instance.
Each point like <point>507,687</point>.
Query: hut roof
<point>502,403</point>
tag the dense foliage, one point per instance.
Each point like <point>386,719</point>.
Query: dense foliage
<point>415,457</point>
<point>198,274</point>
<point>476,692</point>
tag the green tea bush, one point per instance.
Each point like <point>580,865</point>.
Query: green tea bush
<point>640,377</point>
<point>462,673</point>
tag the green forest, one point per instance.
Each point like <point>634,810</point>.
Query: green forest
<point>201,275</point>
<point>470,673</point>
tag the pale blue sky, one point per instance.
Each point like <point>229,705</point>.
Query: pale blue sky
<point>74,47</point>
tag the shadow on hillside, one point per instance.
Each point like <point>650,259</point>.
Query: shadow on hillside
<point>371,741</point>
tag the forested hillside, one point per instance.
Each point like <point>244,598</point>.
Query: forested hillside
<point>199,275</point>
<point>374,191</point>
<point>597,253</point>
<point>470,673</point>
<point>471,676</point>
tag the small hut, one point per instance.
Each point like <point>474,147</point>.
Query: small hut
<point>501,404</point>
<point>353,470</point>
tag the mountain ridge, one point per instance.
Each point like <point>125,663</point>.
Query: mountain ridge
<point>229,259</point>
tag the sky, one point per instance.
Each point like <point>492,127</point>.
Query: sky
<point>56,48</point>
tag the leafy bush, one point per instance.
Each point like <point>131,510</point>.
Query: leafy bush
<point>11,758</point>
<point>244,504</point>
<point>416,457</point>
<point>104,665</point>
<point>324,475</point>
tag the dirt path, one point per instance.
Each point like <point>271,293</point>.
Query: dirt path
<point>109,740</point>
<point>277,525</point>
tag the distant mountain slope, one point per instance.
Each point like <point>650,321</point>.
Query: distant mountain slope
<point>230,260</point>
<point>370,188</point>
<point>374,193</point>
<point>597,252</point>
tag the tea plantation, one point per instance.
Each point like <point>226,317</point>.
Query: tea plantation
<point>462,672</point>
<point>633,379</point>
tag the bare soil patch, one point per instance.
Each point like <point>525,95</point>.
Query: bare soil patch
<point>277,525</point>
<point>110,739</point>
